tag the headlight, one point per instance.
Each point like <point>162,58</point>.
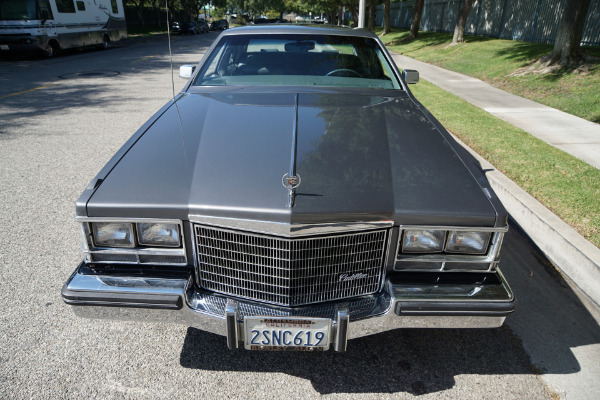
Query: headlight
<point>468,242</point>
<point>158,234</point>
<point>113,234</point>
<point>423,241</point>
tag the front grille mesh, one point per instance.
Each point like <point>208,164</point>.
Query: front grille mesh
<point>290,272</point>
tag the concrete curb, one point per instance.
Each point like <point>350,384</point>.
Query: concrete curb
<point>568,250</point>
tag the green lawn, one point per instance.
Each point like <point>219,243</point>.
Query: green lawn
<point>564,184</point>
<point>495,61</point>
<point>147,31</point>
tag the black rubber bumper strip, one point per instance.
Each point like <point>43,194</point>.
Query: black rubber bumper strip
<point>448,308</point>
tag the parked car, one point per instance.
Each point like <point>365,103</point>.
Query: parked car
<point>175,27</point>
<point>203,26</point>
<point>191,27</point>
<point>351,212</point>
<point>219,25</point>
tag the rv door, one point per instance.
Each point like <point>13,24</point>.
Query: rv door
<point>47,18</point>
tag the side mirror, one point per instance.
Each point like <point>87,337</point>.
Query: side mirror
<point>410,76</point>
<point>45,16</point>
<point>186,71</point>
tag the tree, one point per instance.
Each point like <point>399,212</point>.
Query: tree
<point>566,49</point>
<point>371,23</point>
<point>387,28</point>
<point>354,11</point>
<point>139,5</point>
<point>416,21</point>
<point>461,23</point>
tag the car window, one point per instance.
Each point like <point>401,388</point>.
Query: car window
<point>297,60</point>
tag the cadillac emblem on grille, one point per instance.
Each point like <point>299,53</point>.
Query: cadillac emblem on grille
<point>290,271</point>
<point>353,277</point>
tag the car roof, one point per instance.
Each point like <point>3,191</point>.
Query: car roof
<point>299,29</point>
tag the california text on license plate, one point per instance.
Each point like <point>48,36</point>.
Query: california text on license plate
<point>282,333</point>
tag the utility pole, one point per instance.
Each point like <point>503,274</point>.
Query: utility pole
<point>361,13</point>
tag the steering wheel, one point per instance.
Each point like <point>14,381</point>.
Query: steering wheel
<point>344,72</point>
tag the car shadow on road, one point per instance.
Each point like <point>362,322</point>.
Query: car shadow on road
<point>420,361</point>
<point>415,361</point>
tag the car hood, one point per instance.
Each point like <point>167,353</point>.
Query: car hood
<point>360,158</point>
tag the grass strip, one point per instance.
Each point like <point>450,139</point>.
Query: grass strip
<point>502,64</point>
<point>145,31</point>
<point>566,185</point>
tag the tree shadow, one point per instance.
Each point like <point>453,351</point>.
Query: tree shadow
<point>421,361</point>
<point>523,52</point>
<point>89,78</point>
<point>529,54</point>
<point>424,39</point>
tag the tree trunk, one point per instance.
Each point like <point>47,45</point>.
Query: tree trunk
<point>459,29</point>
<point>372,5</point>
<point>341,16</point>
<point>416,21</point>
<point>386,17</point>
<point>566,43</point>
<point>354,14</point>
<point>139,5</point>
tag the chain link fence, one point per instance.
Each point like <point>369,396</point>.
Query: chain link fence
<point>526,20</point>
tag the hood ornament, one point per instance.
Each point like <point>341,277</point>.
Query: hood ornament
<point>291,182</point>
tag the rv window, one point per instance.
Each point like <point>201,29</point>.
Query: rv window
<point>45,10</point>
<point>115,9</point>
<point>17,10</point>
<point>65,6</point>
<point>80,6</point>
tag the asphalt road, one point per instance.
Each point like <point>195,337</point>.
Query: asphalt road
<point>62,119</point>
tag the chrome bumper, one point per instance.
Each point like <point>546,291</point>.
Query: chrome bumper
<point>402,304</point>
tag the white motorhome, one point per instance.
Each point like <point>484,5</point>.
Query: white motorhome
<point>54,25</point>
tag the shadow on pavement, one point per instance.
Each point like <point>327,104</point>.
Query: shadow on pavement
<point>415,361</point>
<point>74,80</point>
<point>549,321</point>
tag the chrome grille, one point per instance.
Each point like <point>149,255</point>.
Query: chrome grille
<point>293,271</point>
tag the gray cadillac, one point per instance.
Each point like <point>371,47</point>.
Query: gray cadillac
<point>293,196</point>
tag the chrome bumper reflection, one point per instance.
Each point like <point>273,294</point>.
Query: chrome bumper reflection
<point>176,300</point>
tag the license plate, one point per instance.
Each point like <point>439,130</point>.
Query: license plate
<point>3,47</point>
<point>282,334</point>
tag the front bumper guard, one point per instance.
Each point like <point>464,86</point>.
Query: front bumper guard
<point>401,304</point>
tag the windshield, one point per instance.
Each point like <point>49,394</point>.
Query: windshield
<point>23,9</point>
<point>297,60</point>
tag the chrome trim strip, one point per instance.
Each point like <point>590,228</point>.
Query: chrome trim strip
<point>291,188</point>
<point>132,220</point>
<point>288,229</point>
<point>455,228</point>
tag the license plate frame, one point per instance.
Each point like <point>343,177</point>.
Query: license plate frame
<point>287,333</point>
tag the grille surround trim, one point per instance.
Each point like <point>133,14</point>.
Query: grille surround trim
<point>284,280</point>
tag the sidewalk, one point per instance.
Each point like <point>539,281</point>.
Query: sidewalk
<point>576,257</point>
<point>574,135</point>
